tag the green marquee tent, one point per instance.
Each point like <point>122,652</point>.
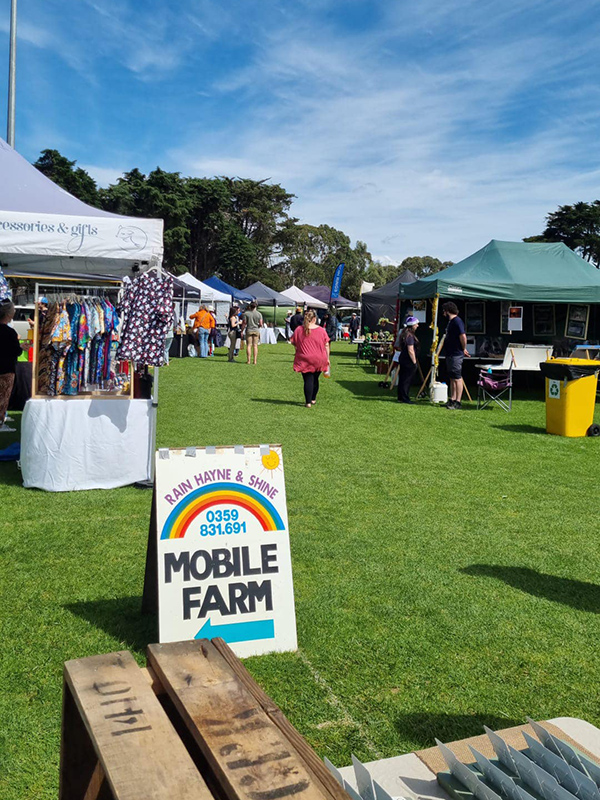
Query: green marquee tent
<point>537,272</point>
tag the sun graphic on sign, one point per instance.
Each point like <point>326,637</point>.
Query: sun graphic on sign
<point>270,460</point>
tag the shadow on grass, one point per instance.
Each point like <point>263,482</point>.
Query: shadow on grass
<point>343,353</point>
<point>362,388</point>
<point>120,617</point>
<point>423,728</point>
<point>9,474</point>
<point>521,428</point>
<point>567,591</point>
<point>277,402</point>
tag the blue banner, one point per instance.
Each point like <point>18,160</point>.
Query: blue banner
<point>337,281</point>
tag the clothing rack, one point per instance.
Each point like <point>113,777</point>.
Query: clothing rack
<point>60,293</point>
<point>74,292</point>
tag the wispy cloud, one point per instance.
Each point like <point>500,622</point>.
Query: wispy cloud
<point>417,127</point>
<point>437,150</point>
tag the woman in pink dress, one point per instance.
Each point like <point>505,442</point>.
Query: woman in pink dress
<point>312,355</point>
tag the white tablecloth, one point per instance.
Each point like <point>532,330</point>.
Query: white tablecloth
<point>71,444</point>
<point>267,336</point>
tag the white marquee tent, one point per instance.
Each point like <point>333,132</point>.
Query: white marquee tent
<point>302,298</point>
<point>220,300</point>
<point>45,229</point>
<point>206,292</point>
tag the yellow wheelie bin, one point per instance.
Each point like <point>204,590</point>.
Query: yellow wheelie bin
<point>571,396</point>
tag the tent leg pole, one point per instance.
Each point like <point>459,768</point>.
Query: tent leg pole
<point>434,354</point>
<point>153,421</point>
<point>181,335</point>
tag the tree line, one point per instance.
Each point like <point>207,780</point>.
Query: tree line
<point>238,228</point>
<point>578,226</point>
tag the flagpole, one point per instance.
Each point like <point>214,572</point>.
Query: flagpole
<point>12,75</point>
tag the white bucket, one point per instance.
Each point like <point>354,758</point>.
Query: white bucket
<point>439,393</point>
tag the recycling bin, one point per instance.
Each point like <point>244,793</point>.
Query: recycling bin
<point>570,395</point>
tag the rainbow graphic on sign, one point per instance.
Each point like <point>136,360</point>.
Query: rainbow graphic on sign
<point>217,494</point>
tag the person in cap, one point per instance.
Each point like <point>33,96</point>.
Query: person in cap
<point>233,329</point>
<point>353,327</point>
<point>297,319</point>
<point>42,306</point>
<point>408,344</point>
<point>288,330</point>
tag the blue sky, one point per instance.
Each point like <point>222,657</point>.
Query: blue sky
<point>421,127</point>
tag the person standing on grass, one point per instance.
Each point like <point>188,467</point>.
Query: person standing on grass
<point>10,350</point>
<point>353,327</point>
<point>233,326</point>
<point>168,342</point>
<point>455,350</point>
<point>252,323</point>
<point>312,355</point>
<point>212,334</point>
<point>203,322</point>
<point>329,323</point>
<point>407,364</point>
<point>296,320</point>
<point>288,329</point>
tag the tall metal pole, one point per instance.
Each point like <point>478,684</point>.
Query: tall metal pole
<point>12,75</point>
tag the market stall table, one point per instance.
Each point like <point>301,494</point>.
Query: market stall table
<point>267,336</point>
<point>69,444</point>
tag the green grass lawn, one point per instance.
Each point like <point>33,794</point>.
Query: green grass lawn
<point>446,566</point>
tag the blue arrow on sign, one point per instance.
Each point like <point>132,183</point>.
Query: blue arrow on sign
<point>238,631</point>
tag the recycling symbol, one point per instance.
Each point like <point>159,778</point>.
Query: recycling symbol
<point>554,389</point>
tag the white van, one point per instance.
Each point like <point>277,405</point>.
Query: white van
<point>20,322</point>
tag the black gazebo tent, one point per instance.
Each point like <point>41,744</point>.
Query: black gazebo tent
<point>383,302</point>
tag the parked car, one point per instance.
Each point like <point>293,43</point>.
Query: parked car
<point>20,322</point>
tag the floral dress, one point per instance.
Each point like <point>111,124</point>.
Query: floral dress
<point>147,311</point>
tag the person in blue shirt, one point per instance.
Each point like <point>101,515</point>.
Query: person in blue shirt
<point>455,350</point>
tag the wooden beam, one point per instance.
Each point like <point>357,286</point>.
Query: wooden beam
<point>109,699</point>
<point>248,753</point>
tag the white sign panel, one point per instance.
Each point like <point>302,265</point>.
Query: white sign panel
<point>515,318</point>
<point>224,563</point>
<point>553,389</point>
<point>82,237</point>
<point>419,310</point>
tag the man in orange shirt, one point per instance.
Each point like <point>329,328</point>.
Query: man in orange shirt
<point>203,322</point>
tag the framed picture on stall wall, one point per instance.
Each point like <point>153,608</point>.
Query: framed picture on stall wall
<point>475,317</point>
<point>577,321</point>
<point>505,306</point>
<point>419,310</point>
<point>544,320</point>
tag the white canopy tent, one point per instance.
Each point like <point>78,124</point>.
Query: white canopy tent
<point>302,298</point>
<point>221,300</point>
<point>45,230</point>
<point>206,292</point>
